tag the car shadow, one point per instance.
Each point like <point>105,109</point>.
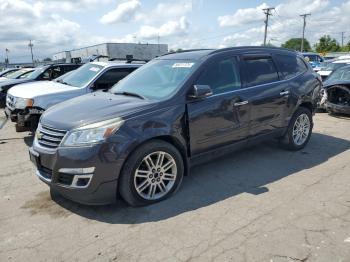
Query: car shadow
<point>246,171</point>
<point>340,116</point>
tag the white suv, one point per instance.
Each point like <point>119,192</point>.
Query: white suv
<point>25,103</point>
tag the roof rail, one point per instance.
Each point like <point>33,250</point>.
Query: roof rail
<point>254,47</point>
<point>129,59</point>
<point>188,50</point>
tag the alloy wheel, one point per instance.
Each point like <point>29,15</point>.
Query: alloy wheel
<point>155,176</point>
<point>301,129</point>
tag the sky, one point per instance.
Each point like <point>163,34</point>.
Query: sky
<point>57,25</point>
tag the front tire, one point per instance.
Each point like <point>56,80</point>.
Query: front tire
<point>299,130</point>
<point>152,173</point>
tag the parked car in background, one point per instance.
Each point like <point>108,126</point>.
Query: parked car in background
<point>7,71</point>
<point>47,72</point>
<point>313,58</point>
<point>18,74</point>
<point>141,137</point>
<point>25,103</point>
<point>323,65</point>
<point>325,72</point>
<point>336,91</point>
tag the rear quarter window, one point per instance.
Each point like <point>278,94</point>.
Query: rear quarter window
<point>260,71</point>
<point>290,66</point>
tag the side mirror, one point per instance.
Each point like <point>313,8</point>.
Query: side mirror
<point>200,92</point>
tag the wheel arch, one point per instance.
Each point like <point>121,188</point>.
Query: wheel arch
<point>170,140</point>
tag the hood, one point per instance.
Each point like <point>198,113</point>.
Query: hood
<point>329,83</point>
<point>39,88</point>
<point>92,108</point>
<point>11,82</point>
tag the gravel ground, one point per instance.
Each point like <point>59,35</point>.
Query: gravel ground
<point>258,204</point>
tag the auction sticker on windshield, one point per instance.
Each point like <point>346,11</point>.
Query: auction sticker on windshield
<point>183,65</point>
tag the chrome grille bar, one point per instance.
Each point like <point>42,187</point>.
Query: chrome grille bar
<point>49,137</point>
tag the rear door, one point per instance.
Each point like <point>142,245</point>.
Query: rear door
<point>223,117</point>
<point>267,93</point>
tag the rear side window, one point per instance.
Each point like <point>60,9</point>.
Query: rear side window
<point>221,75</point>
<point>111,77</point>
<point>260,71</point>
<point>290,66</point>
<point>68,68</point>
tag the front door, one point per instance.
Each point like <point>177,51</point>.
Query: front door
<point>223,117</point>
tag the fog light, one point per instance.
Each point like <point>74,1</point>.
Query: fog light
<point>81,181</point>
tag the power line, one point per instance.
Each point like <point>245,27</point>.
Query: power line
<point>267,12</point>
<point>304,25</point>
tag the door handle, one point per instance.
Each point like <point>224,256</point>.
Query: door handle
<point>284,93</point>
<point>241,103</point>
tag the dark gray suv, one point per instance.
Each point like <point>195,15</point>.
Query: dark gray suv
<point>139,139</point>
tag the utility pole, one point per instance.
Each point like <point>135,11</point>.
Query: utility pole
<point>7,57</point>
<point>267,12</point>
<point>31,50</point>
<point>304,25</point>
<point>342,39</point>
<point>158,40</point>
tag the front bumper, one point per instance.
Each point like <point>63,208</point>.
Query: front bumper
<point>335,108</point>
<point>99,189</point>
<point>26,118</point>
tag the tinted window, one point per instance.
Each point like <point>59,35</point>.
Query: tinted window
<point>290,66</point>
<point>53,72</point>
<point>260,71</point>
<point>221,76</point>
<point>111,77</point>
<point>68,68</point>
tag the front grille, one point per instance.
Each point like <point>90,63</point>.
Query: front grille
<point>10,101</point>
<point>49,137</point>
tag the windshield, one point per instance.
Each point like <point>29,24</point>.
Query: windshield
<point>18,73</point>
<point>81,76</point>
<point>340,74</point>
<point>334,66</point>
<point>156,80</point>
<point>38,71</point>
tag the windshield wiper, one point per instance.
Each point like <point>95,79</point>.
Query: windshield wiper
<point>129,94</point>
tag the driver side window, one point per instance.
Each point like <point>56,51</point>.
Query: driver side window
<point>222,76</point>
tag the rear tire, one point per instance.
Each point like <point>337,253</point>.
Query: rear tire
<point>299,130</point>
<point>152,173</point>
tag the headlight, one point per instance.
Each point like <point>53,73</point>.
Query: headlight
<point>22,103</point>
<point>93,133</point>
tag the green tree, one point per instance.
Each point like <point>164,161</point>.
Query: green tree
<point>295,44</point>
<point>47,59</point>
<point>346,48</point>
<point>327,44</point>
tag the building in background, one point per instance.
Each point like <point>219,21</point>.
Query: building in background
<point>112,50</point>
